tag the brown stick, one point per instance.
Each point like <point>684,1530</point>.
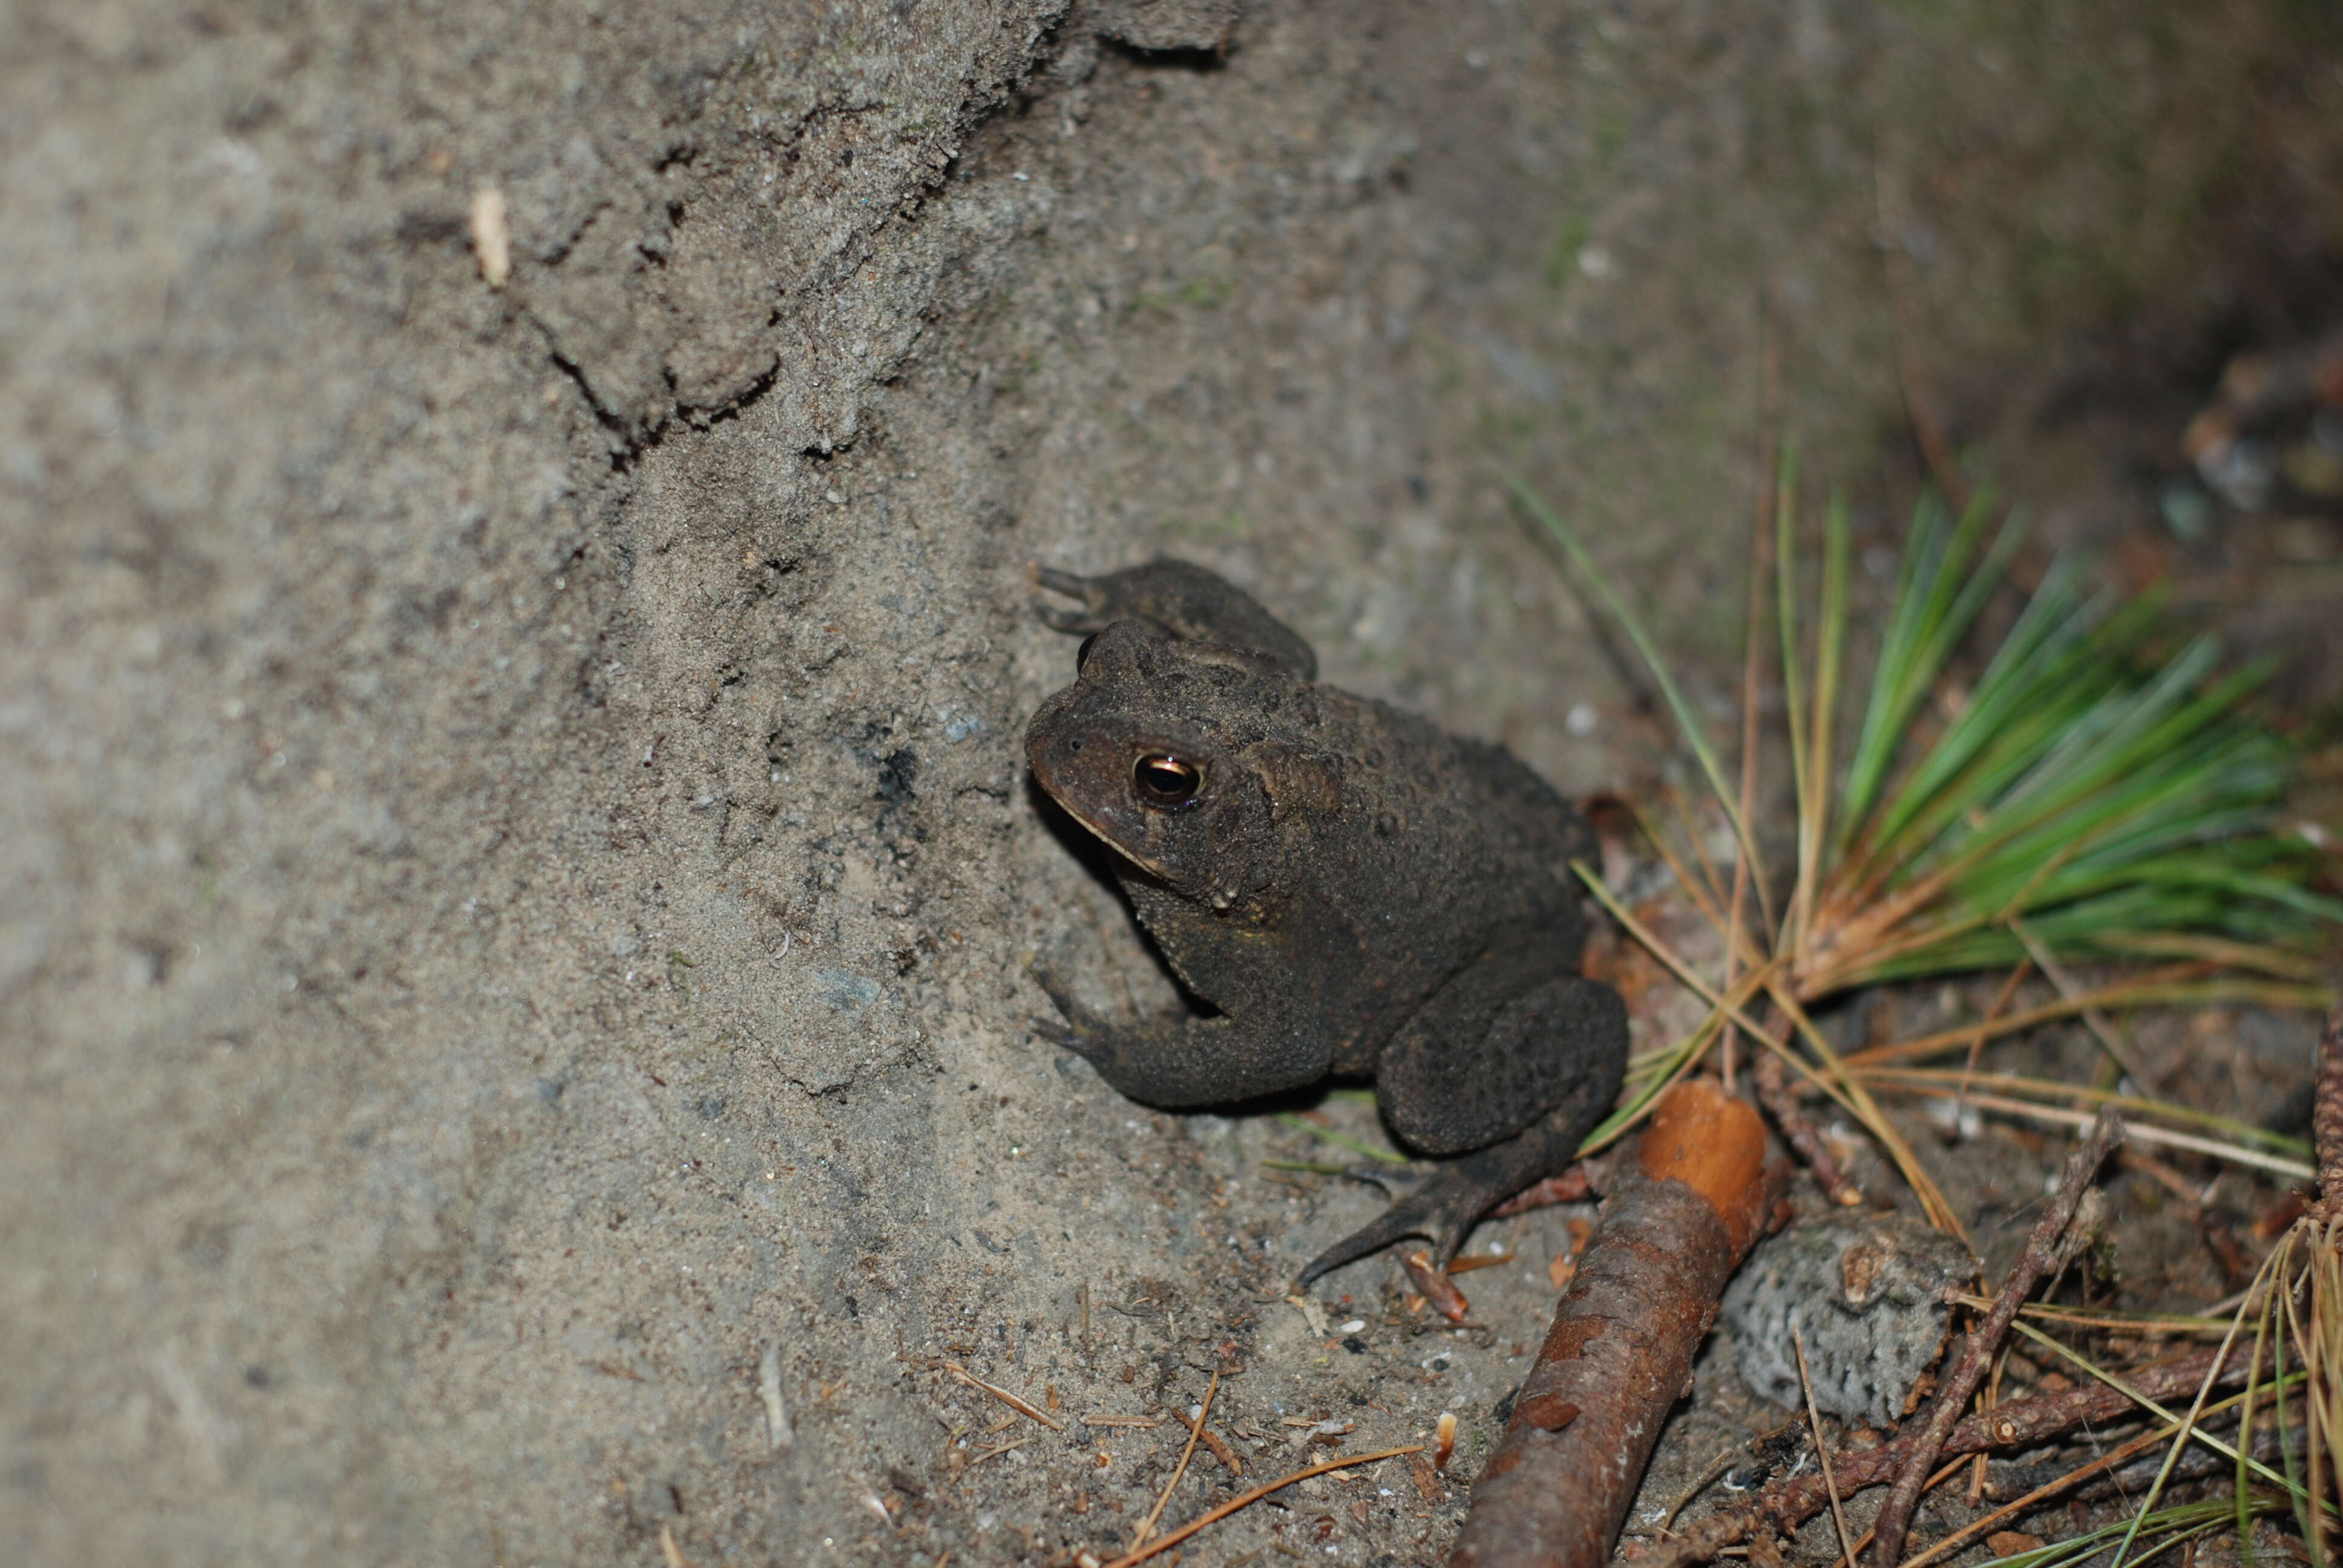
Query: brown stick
<point>2021,1423</point>
<point>1978,1350</point>
<point>2327,1118</point>
<point>1619,1353</point>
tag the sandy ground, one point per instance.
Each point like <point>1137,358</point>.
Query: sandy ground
<point>515,874</point>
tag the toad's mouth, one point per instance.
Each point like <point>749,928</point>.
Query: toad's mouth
<point>1049,786</point>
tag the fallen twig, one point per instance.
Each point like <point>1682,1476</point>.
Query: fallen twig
<point>2018,1508</point>
<point>1781,1103</point>
<point>1166,1541</point>
<point>1784,1505</point>
<point>1004,1395</point>
<point>1978,1350</point>
<point>1620,1349</point>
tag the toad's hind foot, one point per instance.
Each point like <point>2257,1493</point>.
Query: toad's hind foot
<point>1446,1207</point>
<point>1442,1211</point>
<point>1181,600</point>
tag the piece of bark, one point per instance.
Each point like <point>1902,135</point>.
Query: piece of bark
<point>1674,1225</point>
<point>1784,1505</point>
<point>2040,1256</point>
<point>1435,1286</point>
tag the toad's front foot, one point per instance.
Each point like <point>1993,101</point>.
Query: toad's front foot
<point>1076,1028</point>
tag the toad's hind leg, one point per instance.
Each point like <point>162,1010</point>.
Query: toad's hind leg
<point>1564,1044</point>
<point>1181,600</point>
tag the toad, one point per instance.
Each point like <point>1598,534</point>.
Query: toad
<point>1354,892</point>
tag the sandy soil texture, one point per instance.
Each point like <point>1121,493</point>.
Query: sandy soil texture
<point>516,873</point>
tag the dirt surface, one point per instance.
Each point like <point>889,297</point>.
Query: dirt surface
<point>518,873</point>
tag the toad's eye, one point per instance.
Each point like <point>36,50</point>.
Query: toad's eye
<point>1166,782</point>
<point>1082,654</point>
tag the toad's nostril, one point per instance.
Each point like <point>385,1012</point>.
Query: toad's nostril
<point>1075,744</point>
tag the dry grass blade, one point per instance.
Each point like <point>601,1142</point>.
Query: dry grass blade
<point>1686,718</point>
<point>1867,1109</point>
<point>1147,1525</point>
<point>2154,1325</point>
<point>1342,1139</point>
<point>2223,1129</point>
<point>998,1450</point>
<point>2102,1030</point>
<point>1822,1448</point>
<point>2154,1407</point>
<point>2172,989</point>
<point>2028,1110</point>
<point>1164,1542</point>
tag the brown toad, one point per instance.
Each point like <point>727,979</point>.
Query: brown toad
<point>1358,894</point>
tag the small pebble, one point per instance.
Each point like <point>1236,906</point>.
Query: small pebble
<point>1354,1325</point>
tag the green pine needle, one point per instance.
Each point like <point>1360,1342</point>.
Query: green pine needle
<point>2109,799</point>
